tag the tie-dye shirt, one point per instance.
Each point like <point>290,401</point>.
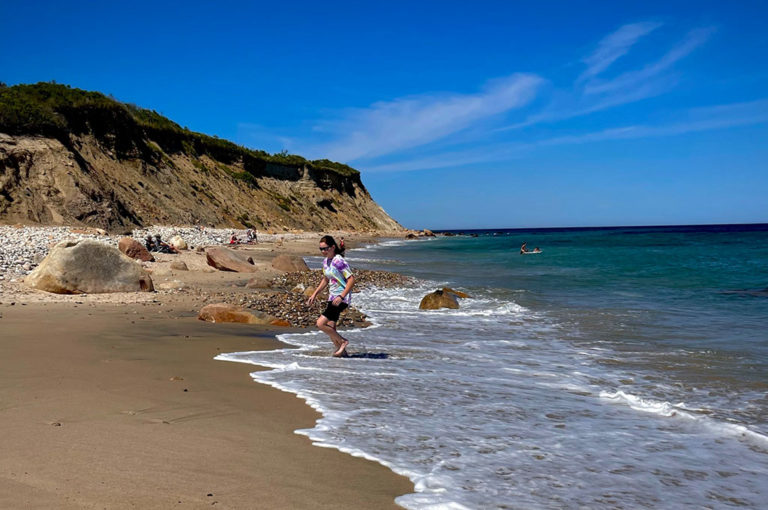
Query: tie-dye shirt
<point>337,271</point>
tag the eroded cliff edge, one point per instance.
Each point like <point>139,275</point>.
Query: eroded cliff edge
<point>74,157</point>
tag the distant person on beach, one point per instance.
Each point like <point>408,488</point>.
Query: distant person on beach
<point>250,236</point>
<point>234,239</point>
<point>163,247</point>
<point>341,244</point>
<point>524,248</point>
<point>150,244</point>
<point>338,275</point>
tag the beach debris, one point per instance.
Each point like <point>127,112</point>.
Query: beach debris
<point>224,312</point>
<point>289,263</point>
<point>439,299</point>
<point>225,259</point>
<point>176,378</point>
<point>88,266</point>
<point>134,249</point>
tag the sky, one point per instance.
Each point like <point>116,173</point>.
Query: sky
<point>458,115</point>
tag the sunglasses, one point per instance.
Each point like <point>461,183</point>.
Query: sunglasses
<point>325,248</point>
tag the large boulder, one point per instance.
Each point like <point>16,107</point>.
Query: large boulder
<point>134,249</point>
<point>225,259</point>
<point>439,299</point>
<point>178,243</point>
<point>289,263</point>
<point>88,266</point>
<point>223,312</point>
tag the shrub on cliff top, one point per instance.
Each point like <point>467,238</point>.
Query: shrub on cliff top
<point>56,110</point>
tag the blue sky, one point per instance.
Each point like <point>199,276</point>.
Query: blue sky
<point>458,114</point>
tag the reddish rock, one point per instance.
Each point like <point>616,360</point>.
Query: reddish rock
<point>281,323</point>
<point>135,249</point>
<point>225,259</point>
<point>223,312</point>
<point>456,293</point>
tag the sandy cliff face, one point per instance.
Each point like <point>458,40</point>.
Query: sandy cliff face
<point>84,181</point>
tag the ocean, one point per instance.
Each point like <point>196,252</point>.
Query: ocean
<point>619,368</point>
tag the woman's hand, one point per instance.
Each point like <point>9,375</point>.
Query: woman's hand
<point>311,300</point>
<point>337,300</point>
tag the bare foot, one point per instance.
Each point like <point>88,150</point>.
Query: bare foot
<point>341,351</point>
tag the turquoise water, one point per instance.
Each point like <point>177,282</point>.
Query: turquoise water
<point>619,368</point>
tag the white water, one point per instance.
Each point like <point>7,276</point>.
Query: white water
<point>488,407</point>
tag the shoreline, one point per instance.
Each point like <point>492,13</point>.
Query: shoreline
<point>95,413</point>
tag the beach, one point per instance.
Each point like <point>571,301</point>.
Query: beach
<point>116,401</point>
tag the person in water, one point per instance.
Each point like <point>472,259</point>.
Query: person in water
<point>524,248</point>
<point>337,275</point>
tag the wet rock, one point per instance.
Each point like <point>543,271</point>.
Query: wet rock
<point>223,312</point>
<point>456,293</point>
<point>439,299</point>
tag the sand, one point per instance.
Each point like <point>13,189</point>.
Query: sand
<point>115,401</point>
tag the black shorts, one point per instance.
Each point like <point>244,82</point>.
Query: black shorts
<point>332,311</point>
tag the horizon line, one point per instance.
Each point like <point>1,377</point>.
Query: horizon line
<point>765,224</point>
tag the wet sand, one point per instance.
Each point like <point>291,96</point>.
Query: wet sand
<point>122,406</point>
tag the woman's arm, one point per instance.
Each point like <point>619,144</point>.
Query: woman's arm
<point>320,286</point>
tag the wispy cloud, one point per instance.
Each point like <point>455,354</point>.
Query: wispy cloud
<point>388,127</point>
<point>440,130</point>
<point>591,94</point>
<point>696,120</point>
<point>614,46</point>
<point>693,40</point>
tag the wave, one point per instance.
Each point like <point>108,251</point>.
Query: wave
<point>682,412</point>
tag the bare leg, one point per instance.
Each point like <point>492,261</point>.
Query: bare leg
<point>329,328</point>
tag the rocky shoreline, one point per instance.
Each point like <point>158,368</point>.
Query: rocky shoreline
<point>268,291</point>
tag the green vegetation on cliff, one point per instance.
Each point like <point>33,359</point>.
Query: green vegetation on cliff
<point>54,110</point>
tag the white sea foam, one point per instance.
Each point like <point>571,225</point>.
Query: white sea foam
<point>682,412</point>
<point>492,405</point>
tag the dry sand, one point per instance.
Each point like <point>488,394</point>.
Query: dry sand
<point>115,401</point>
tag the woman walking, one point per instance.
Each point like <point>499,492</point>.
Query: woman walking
<point>337,275</point>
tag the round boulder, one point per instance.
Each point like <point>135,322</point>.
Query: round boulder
<point>289,263</point>
<point>178,243</point>
<point>225,259</point>
<point>135,249</point>
<point>439,299</point>
<point>223,312</point>
<point>88,266</point>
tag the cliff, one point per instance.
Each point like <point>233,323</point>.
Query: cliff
<point>73,157</point>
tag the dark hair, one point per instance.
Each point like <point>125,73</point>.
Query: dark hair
<point>330,241</point>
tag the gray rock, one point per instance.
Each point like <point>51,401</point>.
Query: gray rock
<point>76,267</point>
